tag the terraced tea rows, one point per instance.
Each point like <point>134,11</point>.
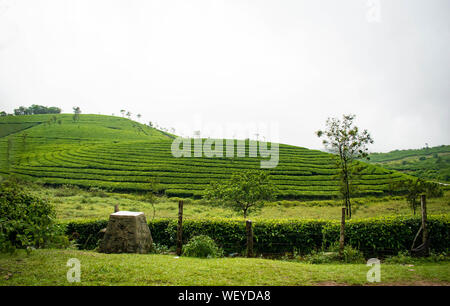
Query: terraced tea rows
<point>64,155</point>
<point>130,166</point>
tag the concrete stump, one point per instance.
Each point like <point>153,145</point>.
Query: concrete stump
<point>127,232</point>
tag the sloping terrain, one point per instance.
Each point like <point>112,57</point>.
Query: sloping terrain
<point>120,154</point>
<point>427,163</point>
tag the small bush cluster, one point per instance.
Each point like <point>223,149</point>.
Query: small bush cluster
<point>27,222</point>
<point>202,246</point>
<point>349,255</point>
<point>160,249</point>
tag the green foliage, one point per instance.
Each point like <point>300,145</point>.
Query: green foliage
<point>373,237</point>
<point>202,246</point>
<point>86,233</point>
<point>36,109</point>
<point>349,144</point>
<point>97,192</point>
<point>349,255</point>
<point>114,153</point>
<point>160,249</point>
<point>67,191</point>
<point>76,113</point>
<point>26,221</point>
<point>388,235</point>
<point>11,128</point>
<point>427,163</point>
<point>404,257</point>
<point>244,191</point>
<point>415,188</point>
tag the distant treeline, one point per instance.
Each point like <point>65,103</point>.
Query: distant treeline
<point>33,110</point>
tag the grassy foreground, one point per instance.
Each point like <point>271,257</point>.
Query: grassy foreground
<point>48,267</point>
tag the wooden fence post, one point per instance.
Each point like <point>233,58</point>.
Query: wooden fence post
<point>180,228</point>
<point>423,249</point>
<point>342,234</point>
<point>248,225</point>
<point>423,203</point>
<point>116,208</point>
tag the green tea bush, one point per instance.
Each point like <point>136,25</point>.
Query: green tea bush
<point>202,246</point>
<point>27,222</point>
<point>389,235</point>
<point>374,236</point>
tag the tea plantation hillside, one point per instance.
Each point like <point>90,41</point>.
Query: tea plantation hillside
<point>119,154</point>
<point>427,163</point>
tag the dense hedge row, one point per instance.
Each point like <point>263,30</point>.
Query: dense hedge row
<point>375,236</point>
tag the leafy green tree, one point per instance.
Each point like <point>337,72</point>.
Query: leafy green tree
<point>244,191</point>
<point>76,113</point>
<point>414,188</point>
<point>348,144</point>
<point>36,109</point>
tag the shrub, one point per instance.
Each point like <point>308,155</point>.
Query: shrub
<point>374,236</point>
<point>388,235</point>
<point>26,221</point>
<point>404,257</point>
<point>349,255</point>
<point>202,246</point>
<point>160,249</point>
<point>86,233</point>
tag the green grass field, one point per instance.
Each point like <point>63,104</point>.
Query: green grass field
<point>120,157</point>
<point>78,204</point>
<point>133,269</point>
<point>119,154</point>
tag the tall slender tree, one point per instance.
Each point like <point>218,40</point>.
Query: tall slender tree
<point>347,143</point>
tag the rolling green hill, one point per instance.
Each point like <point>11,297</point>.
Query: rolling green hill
<point>427,163</point>
<point>123,155</point>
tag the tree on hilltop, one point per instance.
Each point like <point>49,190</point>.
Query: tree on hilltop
<point>76,113</point>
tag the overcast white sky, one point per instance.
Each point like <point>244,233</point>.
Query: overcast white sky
<point>293,63</point>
